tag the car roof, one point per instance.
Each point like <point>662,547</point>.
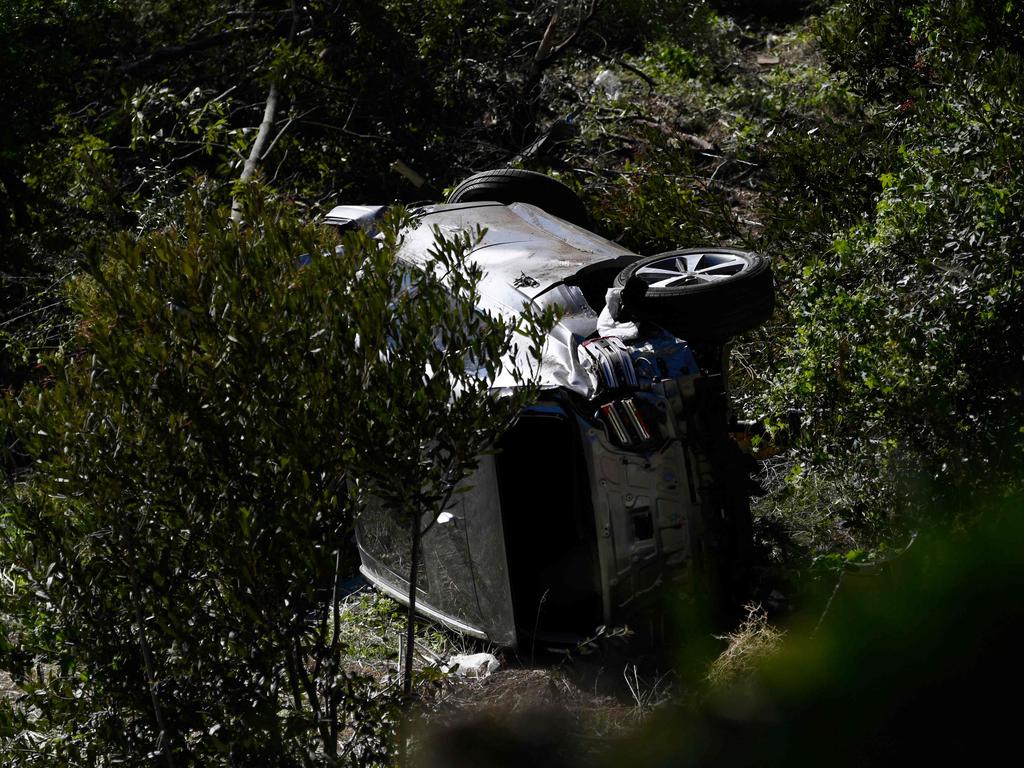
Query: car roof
<point>524,250</point>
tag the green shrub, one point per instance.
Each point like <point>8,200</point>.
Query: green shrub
<point>903,278</point>
<point>172,553</point>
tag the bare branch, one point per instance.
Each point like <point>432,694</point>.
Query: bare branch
<point>256,153</point>
<point>178,51</point>
<point>277,170</point>
<point>638,72</point>
<point>547,41</point>
<point>580,26</point>
<point>344,130</point>
<point>525,118</point>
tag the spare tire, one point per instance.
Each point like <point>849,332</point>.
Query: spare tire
<point>512,185</point>
<point>699,293</point>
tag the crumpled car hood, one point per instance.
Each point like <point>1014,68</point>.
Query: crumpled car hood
<point>526,254</point>
<point>524,250</point>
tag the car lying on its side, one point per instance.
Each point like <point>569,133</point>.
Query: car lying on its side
<point>623,476</point>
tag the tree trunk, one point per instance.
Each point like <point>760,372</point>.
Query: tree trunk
<point>147,663</point>
<point>263,134</point>
<point>410,640</point>
<point>269,113</point>
<point>410,626</point>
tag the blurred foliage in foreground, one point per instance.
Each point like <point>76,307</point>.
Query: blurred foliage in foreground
<point>171,549</point>
<point>907,666</point>
<point>912,664</point>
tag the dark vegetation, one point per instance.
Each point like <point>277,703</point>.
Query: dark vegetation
<point>182,401</point>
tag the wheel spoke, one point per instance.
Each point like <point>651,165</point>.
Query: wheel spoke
<point>658,272</point>
<point>690,269</point>
<point>688,262</point>
<point>732,263</point>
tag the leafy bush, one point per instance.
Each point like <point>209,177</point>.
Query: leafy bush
<point>906,344</point>
<point>173,552</point>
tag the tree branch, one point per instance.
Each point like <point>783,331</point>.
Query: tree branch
<point>256,153</point>
<point>147,662</point>
<point>524,118</point>
<point>580,25</point>
<point>178,51</point>
<point>547,41</point>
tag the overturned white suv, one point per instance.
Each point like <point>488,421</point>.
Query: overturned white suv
<point>624,475</point>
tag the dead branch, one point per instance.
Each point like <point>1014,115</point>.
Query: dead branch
<point>581,23</point>
<point>547,52</point>
<point>525,117</point>
<point>178,51</point>
<point>638,72</point>
<point>547,41</point>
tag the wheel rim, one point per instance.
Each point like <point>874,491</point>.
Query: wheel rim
<point>695,268</point>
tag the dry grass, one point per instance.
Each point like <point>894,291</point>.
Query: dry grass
<point>519,691</point>
<point>754,641</point>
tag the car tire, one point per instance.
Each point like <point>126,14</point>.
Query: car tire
<point>699,293</point>
<point>512,185</point>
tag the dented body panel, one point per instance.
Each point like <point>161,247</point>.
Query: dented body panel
<point>600,492</point>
